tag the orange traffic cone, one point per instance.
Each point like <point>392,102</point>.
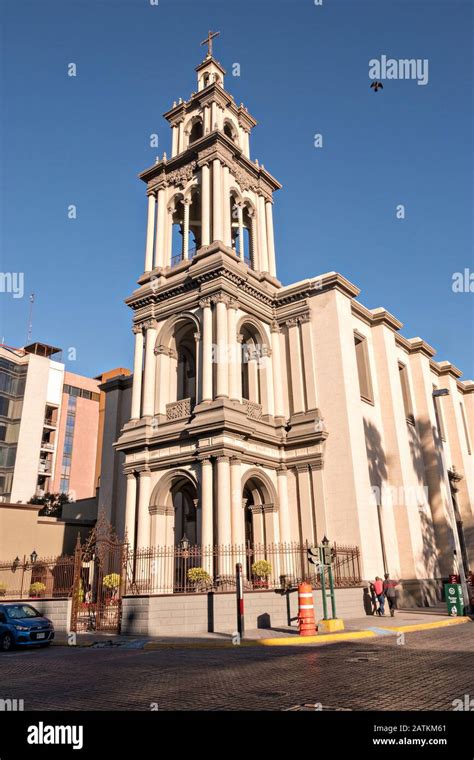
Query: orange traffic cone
<point>306,610</point>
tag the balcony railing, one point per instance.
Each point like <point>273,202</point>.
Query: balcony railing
<point>50,422</point>
<point>178,410</point>
<point>47,446</point>
<point>43,468</point>
<point>178,258</point>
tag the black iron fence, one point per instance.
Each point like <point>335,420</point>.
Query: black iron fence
<point>171,570</point>
<point>45,577</point>
<point>174,569</point>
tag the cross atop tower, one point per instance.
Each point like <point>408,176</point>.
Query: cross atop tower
<point>208,41</point>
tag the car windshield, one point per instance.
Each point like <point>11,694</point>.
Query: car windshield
<point>21,611</point>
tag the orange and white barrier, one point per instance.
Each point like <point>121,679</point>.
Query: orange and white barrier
<point>306,622</point>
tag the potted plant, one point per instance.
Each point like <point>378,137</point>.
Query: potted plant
<point>260,572</point>
<point>111,583</point>
<point>3,589</point>
<point>199,578</point>
<point>37,589</point>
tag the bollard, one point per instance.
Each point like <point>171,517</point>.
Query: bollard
<point>306,622</point>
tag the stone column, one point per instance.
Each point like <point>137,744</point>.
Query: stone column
<point>241,231</point>
<point>151,330</point>
<point>181,136</point>
<point>168,244</point>
<point>137,373</point>
<point>262,235</point>
<point>206,119</point>
<point>197,354</point>
<point>207,514</point>
<point>160,228</point>
<point>277,371</point>
<point>224,529</point>
<point>238,367</point>
<point>227,233</point>
<point>213,116</point>
<point>222,346</point>
<point>144,517</point>
<point>237,513</point>
<point>233,353</point>
<point>187,204</point>
<point>297,390</point>
<point>205,305</point>
<point>284,518</point>
<point>305,504</point>
<point>267,365</point>
<point>205,206</point>
<point>149,233</point>
<point>162,386</point>
<point>174,140</point>
<point>216,200</point>
<point>270,238</point>
<point>308,356</point>
<point>254,253</point>
<point>131,509</point>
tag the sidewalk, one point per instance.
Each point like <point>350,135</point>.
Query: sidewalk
<point>405,621</point>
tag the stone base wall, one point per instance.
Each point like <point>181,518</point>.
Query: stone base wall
<point>186,614</point>
<point>57,610</point>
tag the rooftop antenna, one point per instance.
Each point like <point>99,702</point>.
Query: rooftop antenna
<point>30,318</point>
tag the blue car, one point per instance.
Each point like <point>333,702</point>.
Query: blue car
<point>22,625</point>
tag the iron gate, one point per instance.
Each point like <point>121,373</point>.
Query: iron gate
<point>99,569</point>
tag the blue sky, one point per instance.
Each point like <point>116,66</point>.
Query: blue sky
<point>304,70</point>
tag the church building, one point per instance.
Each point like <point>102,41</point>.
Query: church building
<point>264,413</point>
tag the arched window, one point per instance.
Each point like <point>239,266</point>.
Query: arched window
<point>177,221</point>
<point>185,520</point>
<point>251,366</point>
<point>194,242</point>
<point>183,363</point>
<point>230,131</point>
<point>196,131</point>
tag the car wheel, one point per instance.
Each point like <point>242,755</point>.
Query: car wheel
<point>6,642</point>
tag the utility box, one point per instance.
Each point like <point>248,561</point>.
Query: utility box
<point>454,599</point>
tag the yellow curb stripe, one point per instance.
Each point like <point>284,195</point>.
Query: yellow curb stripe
<point>325,638</point>
<point>426,626</point>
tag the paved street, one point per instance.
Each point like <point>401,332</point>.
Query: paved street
<point>429,671</point>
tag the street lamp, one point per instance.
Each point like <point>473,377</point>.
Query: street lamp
<point>437,393</point>
<point>184,544</point>
<point>33,556</point>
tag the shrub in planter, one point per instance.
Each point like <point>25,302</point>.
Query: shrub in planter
<point>260,572</point>
<point>37,589</point>
<point>199,577</point>
<point>3,589</point>
<point>111,581</point>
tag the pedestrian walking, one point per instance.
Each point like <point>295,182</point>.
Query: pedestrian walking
<point>389,586</point>
<point>380,596</point>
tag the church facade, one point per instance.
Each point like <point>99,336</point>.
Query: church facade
<point>263,413</point>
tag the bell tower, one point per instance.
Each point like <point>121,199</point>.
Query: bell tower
<point>209,190</point>
<point>209,398</point>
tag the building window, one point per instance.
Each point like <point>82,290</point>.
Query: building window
<point>439,416</point>
<point>72,390</point>
<point>405,384</point>
<point>68,441</point>
<point>466,432</point>
<point>363,368</point>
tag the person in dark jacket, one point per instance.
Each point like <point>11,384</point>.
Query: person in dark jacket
<point>391,595</point>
